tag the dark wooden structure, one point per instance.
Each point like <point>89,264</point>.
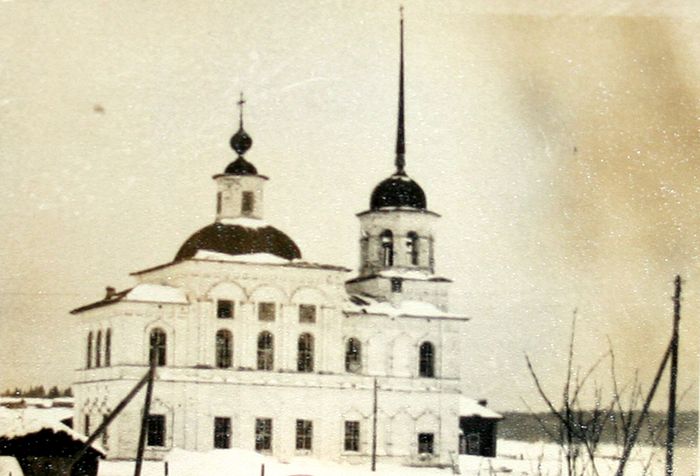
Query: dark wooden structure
<point>478,430</point>
<point>50,453</point>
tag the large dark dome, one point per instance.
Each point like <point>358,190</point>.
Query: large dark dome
<point>398,191</point>
<point>239,240</point>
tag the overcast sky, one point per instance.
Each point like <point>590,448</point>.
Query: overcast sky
<point>558,142</point>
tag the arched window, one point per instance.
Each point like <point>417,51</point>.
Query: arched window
<point>266,351</point>
<point>98,349</point>
<point>158,347</point>
<point>305,353</point>
<point>224,349</point>
<point>364,248</point>
<point>412,247</point>
<point>353,356</point>
<point>427,360</point>
<point>108,348</point>
<point>89,350</point>
<point>387,238</point>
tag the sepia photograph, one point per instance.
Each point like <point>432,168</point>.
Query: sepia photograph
<point>331,237</point>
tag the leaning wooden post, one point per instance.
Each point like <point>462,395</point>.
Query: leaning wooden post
<point>671,434</point>
<point>144,416</point>
<point>374,427</point>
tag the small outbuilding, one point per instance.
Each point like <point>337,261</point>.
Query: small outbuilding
<point>478,428</point>
<point>43,447</point>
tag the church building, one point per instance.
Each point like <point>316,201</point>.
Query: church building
<point>258,349</point>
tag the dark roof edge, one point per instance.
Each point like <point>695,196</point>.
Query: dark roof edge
<point>359,279</point>
<point>264,177</point>
<point>302,264</point>
<point>105,302</point>
<point>398,209</point>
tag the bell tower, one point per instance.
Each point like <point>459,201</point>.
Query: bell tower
<point>396,234</point>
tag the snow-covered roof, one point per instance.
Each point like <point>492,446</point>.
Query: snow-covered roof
<point>362,304</point>
<point>246,258</point>
<point>245,222</point>
<point>412,274</point>
<point>22,422</point>
<point>144,292</point>
<point>259,258</point>
<point>470,408</point>
<point>156,293</point>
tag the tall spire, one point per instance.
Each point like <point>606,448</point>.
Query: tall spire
<point>400,140</point>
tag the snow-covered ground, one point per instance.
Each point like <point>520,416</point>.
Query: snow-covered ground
<point>514,458</point>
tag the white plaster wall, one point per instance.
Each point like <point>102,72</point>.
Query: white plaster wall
<point>231,188</point>
<point>190,392</point>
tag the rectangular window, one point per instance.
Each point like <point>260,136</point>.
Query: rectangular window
<point>425,443</point>
<point>222,432</point>
<point>224,309</point>
<point>218,202</point>
<point>105,437</point>
<point>352,436</point>
<point>87,425</point>
<point>305,433</point>
<point>307,313</point>
<point>266,311</point>
<point>263,434</point>
<point>155,430</point>
<point>396,285</point>
<point>247,203</point>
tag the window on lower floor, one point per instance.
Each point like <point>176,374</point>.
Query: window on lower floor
<point>305,433</point>
<point>425,443</point>
<point>222,432</point>
<point>352,436</point>
<point>87,425</point>
<point>263,434</point>
<point>307,313</point>
<point>224,309</point>
<point>155,425</point>
<point>105,437</point>
<point>266,311</point>
<point>396,285</point>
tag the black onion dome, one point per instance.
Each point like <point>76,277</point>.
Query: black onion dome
<point>241,141</point>
<point>240,166</point>
<point>239,240</point>
<point>398,191</point>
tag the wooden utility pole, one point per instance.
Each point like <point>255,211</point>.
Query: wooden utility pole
<point>671,435</point>
<point>374,427</point>
<point>144,416</point>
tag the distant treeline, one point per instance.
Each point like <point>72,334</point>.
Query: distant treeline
<point>529,427</point>
<point>38,392</point>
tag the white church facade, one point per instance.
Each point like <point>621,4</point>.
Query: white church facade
<point>258,349</point>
